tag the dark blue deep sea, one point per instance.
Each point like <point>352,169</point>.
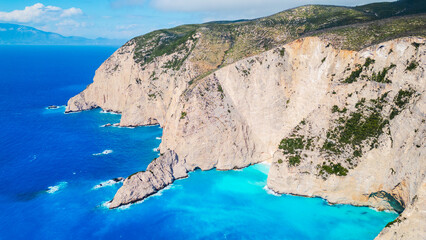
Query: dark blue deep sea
<point>50,163</point>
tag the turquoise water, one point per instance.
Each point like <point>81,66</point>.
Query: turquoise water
<point>50,165</point>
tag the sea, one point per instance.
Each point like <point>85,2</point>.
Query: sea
<point>51,165</point>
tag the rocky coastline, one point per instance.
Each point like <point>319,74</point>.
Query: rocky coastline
<point>283,106</point>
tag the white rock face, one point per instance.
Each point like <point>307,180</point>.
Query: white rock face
<point>411,223</point>
<point>159,173</point>
<point>238,115</point>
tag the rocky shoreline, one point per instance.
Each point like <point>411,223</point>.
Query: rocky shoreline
<point>241,114</point>
<point>161,172</point>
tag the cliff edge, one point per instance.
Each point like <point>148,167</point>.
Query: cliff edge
<point>347,125</point>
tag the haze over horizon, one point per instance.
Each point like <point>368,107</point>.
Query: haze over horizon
<point>124,19</point>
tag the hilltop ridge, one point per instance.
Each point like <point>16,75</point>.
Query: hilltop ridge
<point>225,43</point>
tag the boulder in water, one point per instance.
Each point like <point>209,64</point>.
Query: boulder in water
<point>52,107</point>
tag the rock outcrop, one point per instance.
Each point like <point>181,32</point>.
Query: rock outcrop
<point>410,224</point>
<point>296,106</point>
<point>159,173</point>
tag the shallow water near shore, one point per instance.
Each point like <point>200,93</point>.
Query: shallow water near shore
<point>51,164</point>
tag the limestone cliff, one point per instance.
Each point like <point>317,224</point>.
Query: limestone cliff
<point>344,125</point>
<point>333,97</point>
<point>160,173</point>
<point>410,224</point>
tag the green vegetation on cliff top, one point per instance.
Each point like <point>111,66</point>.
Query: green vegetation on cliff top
<point>226,42</point>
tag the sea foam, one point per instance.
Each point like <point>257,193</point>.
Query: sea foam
<point>110,125</point>
<point>56,107</point>
<point>160,193</point>
<point>157,194</point>
<point>106,184</point>
<point>105,152</point>
<point>106,204</point>
<point>110,112</point>
<point>59,186</point>
<point>270,191</point>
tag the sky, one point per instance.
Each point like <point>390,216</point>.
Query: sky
<point>124,19</point>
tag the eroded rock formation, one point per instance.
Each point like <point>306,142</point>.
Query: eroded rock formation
<point>161,172</point>
<point>344,125</point>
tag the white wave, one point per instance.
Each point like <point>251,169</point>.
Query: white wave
<point>105,152</point>
<point>71,112</point>
<point>107,183</point>
<point>110,112</point>
<point>55,107</point>
<point>157,194</point>
<point>155,149</point>
<point>106,204</point>
<point>59,186</point>
<point>160,193</point>
<point>126,127</point>
<point>125,206</point>
<point>270,191</point>
<point>115,125</point>
<point>118,125</point>
<point>158,138</point>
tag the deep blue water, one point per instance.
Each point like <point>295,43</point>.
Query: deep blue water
<point>48,171</point>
